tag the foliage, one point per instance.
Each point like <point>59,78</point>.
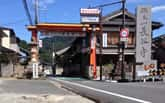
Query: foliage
<point>23,44</point>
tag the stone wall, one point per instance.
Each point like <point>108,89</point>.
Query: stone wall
<point>7,70</point>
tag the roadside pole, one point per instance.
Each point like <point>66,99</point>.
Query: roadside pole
<point>101,43</point>
<point>122,43</point>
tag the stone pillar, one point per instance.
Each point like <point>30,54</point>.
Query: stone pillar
<point>34,53</point>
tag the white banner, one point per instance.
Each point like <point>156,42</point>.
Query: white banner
<point>93,42</point>
<point>40,44</point>
<point>105,40</point>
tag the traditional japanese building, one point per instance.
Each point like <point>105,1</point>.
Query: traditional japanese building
<point>9,52</point>
<point>77,58</point>
<point>158,47</point>
<point>112,24</point>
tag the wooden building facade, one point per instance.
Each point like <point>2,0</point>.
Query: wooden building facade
<point>112,24</point>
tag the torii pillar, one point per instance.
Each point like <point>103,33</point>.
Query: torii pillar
<point>93,54</point>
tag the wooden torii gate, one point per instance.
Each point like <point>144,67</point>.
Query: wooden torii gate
<point>51,29</point>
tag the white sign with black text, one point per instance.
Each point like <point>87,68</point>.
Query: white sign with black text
<point>104,40</point>
<point>90,19</point>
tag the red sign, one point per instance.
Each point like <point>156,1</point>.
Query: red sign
<point>124,33</point>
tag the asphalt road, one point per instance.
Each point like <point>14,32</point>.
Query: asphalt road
<point>106,92</point>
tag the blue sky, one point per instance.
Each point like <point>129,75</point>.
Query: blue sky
<point>67,11</point>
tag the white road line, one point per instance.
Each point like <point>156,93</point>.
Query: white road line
<point>106,92</point>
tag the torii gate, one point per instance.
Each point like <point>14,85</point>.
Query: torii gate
<point>76,30</point>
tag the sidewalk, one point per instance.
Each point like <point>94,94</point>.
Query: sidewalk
<point>36,91</point>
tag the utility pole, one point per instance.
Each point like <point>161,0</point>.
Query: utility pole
<point>122,44</point>
<point>36,11</point>
<point>123,10</point>
<point>100,36</point>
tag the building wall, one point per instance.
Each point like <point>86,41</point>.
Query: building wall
<point>9,42</point>
<point>6,39</point>
<point>7,70</point>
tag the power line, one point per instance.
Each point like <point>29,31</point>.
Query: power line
<point>27,11</point>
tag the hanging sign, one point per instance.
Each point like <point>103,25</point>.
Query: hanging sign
<point>89,15</point>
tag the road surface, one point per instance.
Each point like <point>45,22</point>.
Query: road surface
<point>36,91</point>
<point>106,92</point>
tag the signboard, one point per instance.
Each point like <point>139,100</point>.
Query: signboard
<point>143,34</point>
<point>150,65</point>
<point>143,70</point>
<point>90,19</point>
<point>124,34</point>
<point>40,43</point>
<point>105,42</point>
<point>90,15</point>
<point>89,11</point>
<point>162,65</point>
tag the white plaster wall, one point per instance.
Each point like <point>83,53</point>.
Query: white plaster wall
<point>6,40</point>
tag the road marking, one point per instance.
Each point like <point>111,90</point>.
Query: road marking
<point>105,92</point>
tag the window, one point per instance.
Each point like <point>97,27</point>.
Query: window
<point>131,39</point>
<point>113,38</point>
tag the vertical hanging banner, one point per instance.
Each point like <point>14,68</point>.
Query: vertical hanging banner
<point>143,34</point>
<point>40,43</point>
<point>105,40</point>
<point>93,42</point>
